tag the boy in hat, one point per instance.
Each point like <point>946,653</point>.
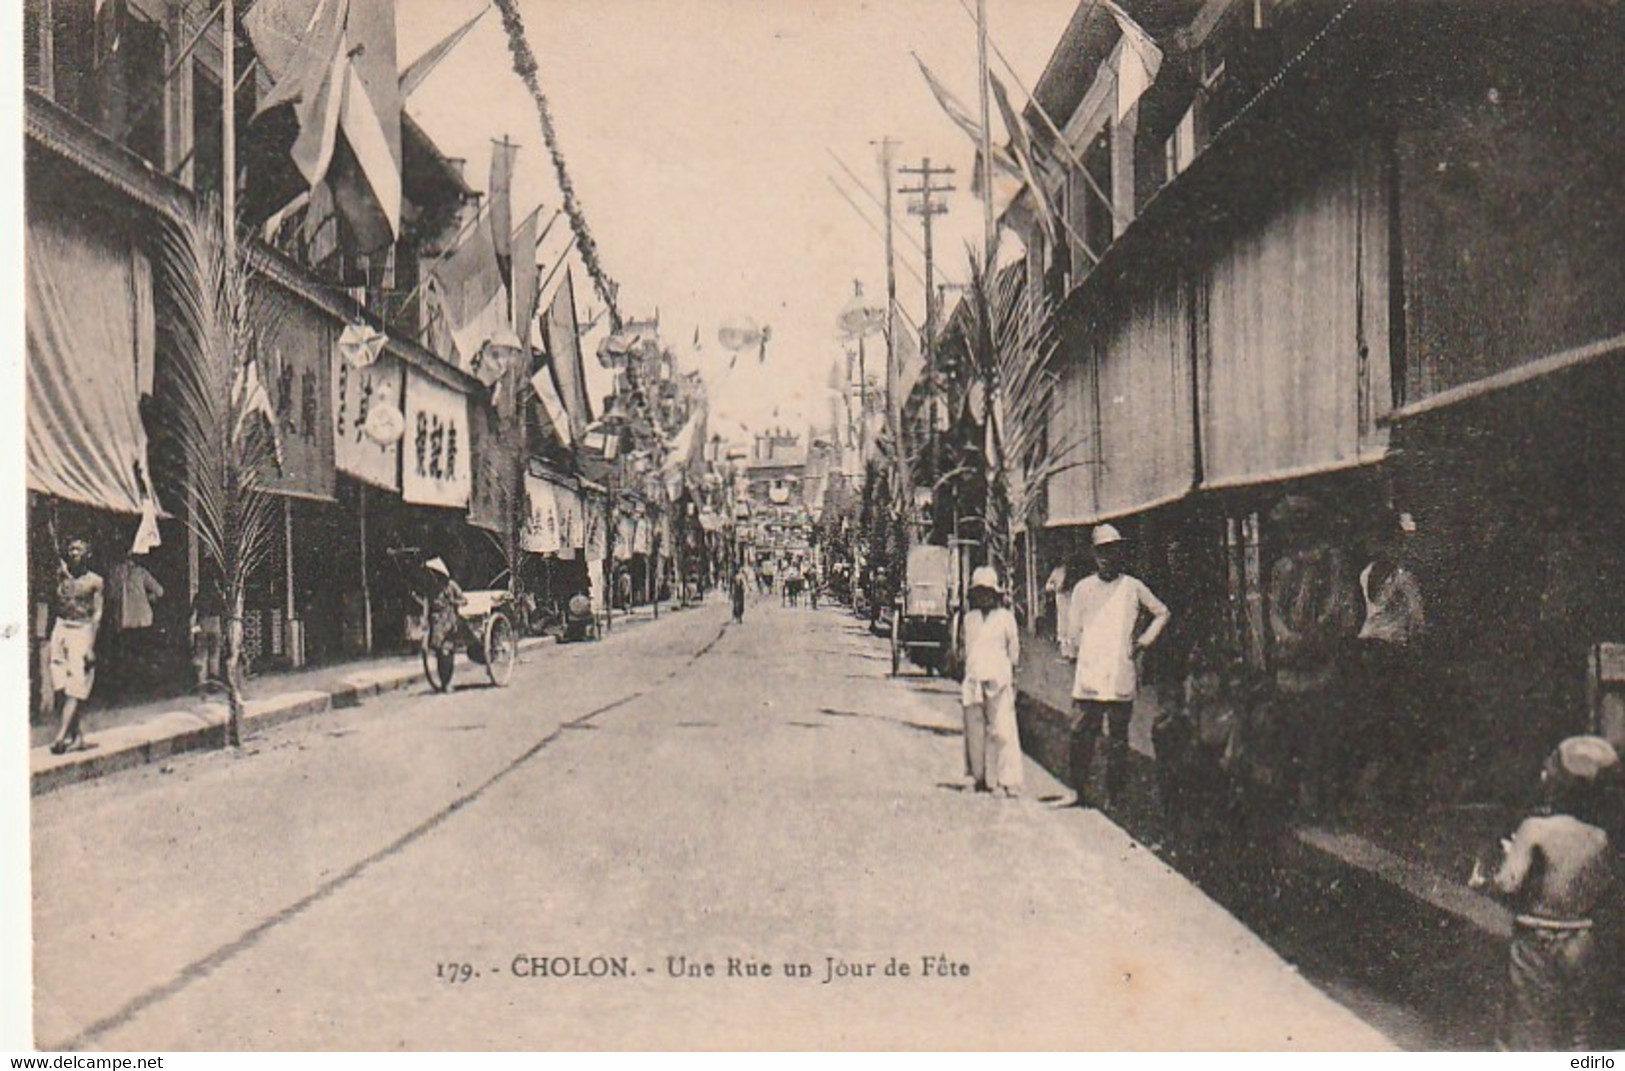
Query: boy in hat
<point>988,694</point>
<point>1105,613</point>
<point>1557,871</point>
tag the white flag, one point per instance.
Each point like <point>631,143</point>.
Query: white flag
<point>1138,60</point>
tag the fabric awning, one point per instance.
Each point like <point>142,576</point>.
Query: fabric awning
<point>86,315</point>
<point>1296,375</point>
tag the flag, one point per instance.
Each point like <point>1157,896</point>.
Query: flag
<point>501,197</point>
<point>1138,60</point>
<point>250,398</point>
<point>962,119</point>
<point>685,453</point>
<point>564,347</point>
<point>526,279</point>
<point>547,392</point>
<point>464,295</point>
<point>1021,144</point>
<point>333,113</point>
<point>425,64</point>
<point>906,351</point>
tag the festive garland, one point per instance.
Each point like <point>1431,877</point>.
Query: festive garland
<point>524,65</point>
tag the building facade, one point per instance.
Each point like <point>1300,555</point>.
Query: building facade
<point>123,136</point>
<point>1364,254</point>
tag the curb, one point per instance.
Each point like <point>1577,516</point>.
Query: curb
<point>1044,734</point>
<point>203,727</point>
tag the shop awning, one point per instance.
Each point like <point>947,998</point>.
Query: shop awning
<point>89,335</point>
<point>1297,369</point>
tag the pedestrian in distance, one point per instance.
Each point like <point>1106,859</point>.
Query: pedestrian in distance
<point>78,609</point>
<point>988,693</point>
<point>1105,612</point>
<point>445,603</point>
<point>737,590</point>
<point>1557,872</point>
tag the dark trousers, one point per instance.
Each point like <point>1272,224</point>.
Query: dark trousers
<point>1553,993</point>
<point>1091,718</point>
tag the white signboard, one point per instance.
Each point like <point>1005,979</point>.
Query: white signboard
<point>541,532</point>
<point>435,463</point>
<point>357,393</point>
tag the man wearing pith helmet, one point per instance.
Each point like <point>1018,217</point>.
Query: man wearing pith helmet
<point>1106,612</point>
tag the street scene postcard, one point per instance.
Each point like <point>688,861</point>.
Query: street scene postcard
<point>823,525</point>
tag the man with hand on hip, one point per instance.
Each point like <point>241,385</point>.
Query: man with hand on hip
<point>1104,623</point>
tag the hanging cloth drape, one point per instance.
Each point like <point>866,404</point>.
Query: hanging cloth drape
<point>84,327</point>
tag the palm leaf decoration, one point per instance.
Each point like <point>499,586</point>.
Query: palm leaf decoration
<point>222,420</point>
<point>1007,345</point>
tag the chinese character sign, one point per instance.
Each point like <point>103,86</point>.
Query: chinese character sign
<point>435,469</point>
<point>356,393</point>
<point>541,532</point>
<point>295,356</point>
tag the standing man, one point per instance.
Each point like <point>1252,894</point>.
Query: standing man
<point>737,592</point>
<point>73,641</point>
<point>1314,615</point>
<point>1104,622</point>
<point>988,693</point>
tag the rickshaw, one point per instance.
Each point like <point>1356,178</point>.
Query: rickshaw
<point>487,630</point>
<point>924,626</point>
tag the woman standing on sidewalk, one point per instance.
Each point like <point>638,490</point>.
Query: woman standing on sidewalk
<point>992,651</point>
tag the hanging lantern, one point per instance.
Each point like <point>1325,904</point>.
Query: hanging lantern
<point>360,344</point>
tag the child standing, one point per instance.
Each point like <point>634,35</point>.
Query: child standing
<point>1557,870</point>
<point>992,651</point>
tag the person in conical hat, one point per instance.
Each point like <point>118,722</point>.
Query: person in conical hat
<point>988,692</point>
<point>446,599</point>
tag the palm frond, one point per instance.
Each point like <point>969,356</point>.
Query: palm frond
<point>217,317</point>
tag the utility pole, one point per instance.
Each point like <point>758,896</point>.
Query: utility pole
<point>927,208</point>
<point>894,425</point>
<point>228,129</point>
<point>988,223</point>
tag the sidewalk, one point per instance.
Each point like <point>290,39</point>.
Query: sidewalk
<point>134,734</point>
<point>1428,855</point>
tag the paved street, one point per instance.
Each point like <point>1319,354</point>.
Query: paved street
<point>689,795</point>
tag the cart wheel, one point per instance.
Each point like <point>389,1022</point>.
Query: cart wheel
<point>438,667</point>
<point>501,649</point>
<point>896,648</point>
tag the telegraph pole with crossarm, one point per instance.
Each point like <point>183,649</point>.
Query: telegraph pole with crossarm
<point>927,207</point>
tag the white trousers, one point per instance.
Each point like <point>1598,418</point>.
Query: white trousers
<point>992,741</point>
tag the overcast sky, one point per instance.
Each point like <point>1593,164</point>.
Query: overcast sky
<point>698,135</point>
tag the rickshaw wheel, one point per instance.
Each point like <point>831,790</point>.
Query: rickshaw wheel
<point>501,649</point>
<point>438,667</point>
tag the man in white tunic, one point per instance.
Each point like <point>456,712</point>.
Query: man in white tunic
<point>988,694</point>
<point>1104,623</point>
